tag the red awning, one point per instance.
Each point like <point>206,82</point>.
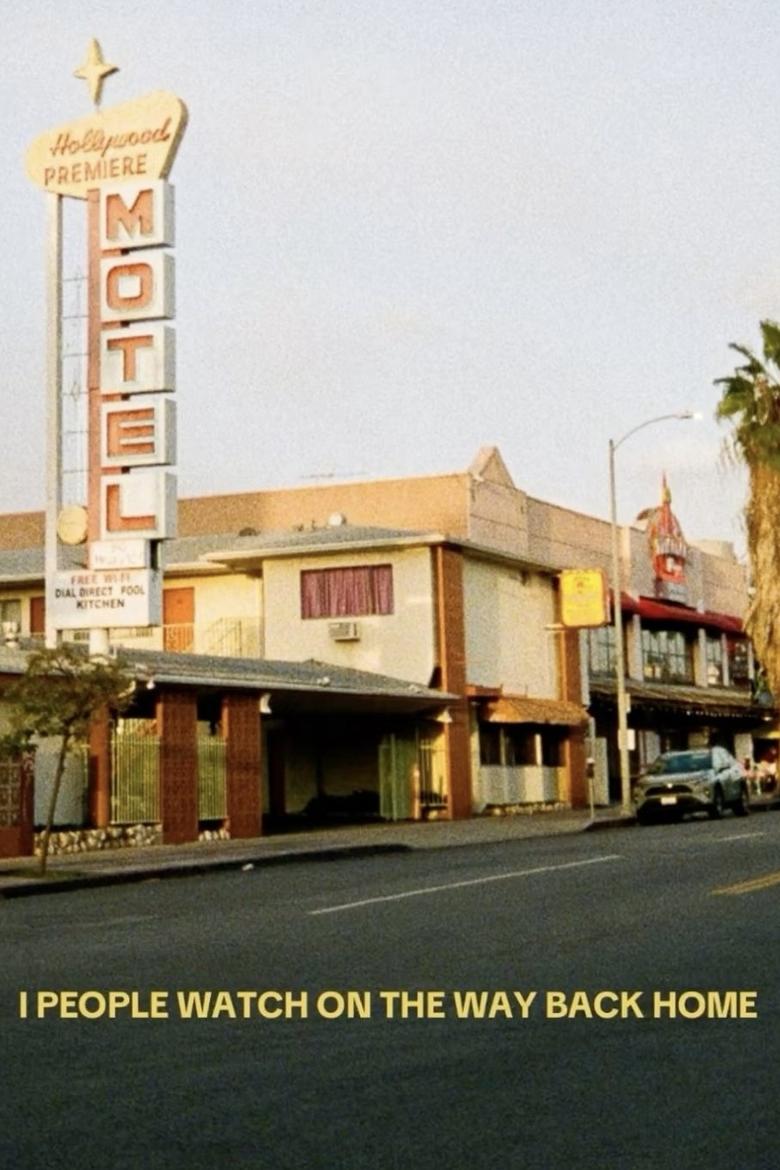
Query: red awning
<point>660,611</point>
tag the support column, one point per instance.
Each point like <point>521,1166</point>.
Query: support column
<point>177,719</point>
<point>451,641</point>
<point>53,407</point>
<point>99,771</point>
<point>575,767</point>
<point>99,733</point>
<point>241,729</point>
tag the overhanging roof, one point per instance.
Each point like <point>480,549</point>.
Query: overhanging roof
<point>685,700</point>
<point>309,685</point>
<point>523,709</point>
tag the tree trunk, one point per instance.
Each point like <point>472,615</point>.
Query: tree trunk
<point>763,530</point>
<point>55,792</point>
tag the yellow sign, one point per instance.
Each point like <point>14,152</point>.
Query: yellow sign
<point>135,140</point>
<point>583,598</point>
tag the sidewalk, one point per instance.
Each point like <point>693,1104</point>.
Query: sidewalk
<point>119,866</point>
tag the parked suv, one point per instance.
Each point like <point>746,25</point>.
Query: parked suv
<point>701,780</point>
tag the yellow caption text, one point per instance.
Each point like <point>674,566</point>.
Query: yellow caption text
<point>407,1004</point>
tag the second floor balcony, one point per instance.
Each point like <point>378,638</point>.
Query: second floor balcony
<point>233,637</point>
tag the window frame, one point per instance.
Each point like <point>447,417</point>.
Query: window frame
<point>602,655</point>
<point>662,663</point>
<point>347,591</point>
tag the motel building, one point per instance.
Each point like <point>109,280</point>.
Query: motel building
<point>390,650</point>
<point>385,650</point>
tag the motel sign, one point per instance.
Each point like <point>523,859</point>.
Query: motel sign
<point>137,428</point>
<point>118,160</point>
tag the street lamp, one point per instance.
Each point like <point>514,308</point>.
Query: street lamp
<point>620,655</point>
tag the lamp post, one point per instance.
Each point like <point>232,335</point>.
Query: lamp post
<point>617,615</point>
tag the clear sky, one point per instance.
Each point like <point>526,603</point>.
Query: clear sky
<point>407,229</point>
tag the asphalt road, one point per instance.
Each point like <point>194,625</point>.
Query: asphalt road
<point>678,918</point>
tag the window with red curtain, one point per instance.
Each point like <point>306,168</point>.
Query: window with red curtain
<point>347,592</point>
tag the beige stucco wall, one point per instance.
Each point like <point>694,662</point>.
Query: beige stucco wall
<point>723,583</point>
<point>228,614</point>
<point>222,598</point>
<point>429,503</point>
<point>401,644</point>
<point>508,639</point>
<point>566,539</point>
<point>499,517</point>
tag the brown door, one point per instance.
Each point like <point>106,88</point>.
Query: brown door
<point>178,619</point>
<point>37,617</point>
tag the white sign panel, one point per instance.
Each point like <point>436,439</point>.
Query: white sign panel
<point>119,554</point>
<point>84,599</point>
<point>137,288</point>
<point>142,503</point>
<point>138,359</point>
<point>138,433</point>
<point>136,216</point>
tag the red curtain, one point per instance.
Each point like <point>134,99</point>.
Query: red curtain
<point>348,592</point>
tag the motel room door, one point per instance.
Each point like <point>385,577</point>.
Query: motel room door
<point>398,759</point>
<point>179,619</point>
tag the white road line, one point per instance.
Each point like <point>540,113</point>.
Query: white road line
<point>739,837</point>
<point>127,920</point>
<point>498,877</point>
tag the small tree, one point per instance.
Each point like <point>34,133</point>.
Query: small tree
<point>751,401</point>
<point>60,694</point>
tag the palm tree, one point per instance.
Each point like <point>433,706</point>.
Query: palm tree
<point>751,399</point>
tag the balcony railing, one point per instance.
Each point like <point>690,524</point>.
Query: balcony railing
<point>135,777</point>
<point>212,776</point>
<point>223,638</point>
<point>500,784</point>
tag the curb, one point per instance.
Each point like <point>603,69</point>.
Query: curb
<point>178,869</point>
<point>122,877</point>
<point>597,826</point>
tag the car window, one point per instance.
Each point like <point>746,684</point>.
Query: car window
<point>683,762</point>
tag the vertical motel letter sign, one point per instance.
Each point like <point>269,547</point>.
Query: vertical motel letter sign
<point>137,416</point>
<point>118,160</point>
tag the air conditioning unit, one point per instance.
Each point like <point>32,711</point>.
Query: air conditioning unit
<point>344,631</point>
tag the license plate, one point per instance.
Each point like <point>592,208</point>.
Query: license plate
<point>668,800</point>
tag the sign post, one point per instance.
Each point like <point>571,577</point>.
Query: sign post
<point>117,160</point>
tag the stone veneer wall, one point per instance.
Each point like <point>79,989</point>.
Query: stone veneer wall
<point>114,837</point>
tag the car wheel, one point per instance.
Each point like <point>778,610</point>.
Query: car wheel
<point>715,810</point>
<point>742,803</point>
<point>645,816</point>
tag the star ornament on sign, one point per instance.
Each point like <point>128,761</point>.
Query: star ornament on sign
<point>94,71</point>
